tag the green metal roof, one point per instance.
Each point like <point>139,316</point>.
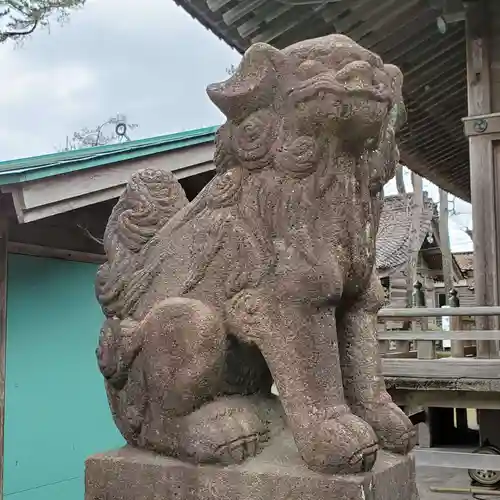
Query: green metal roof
<point>39,167</point>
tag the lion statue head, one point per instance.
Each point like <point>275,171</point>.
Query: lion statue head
<point>309,140</point>
<point>283,106</point>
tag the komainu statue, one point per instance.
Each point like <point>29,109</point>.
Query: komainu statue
<point>268,275</point>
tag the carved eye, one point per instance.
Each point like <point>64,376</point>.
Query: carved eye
<point>253,129</point>
<point>253,138</point>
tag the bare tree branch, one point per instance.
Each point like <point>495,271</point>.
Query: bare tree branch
<point>20,18</point>
<point>454,212</point>
<point>117,129</point>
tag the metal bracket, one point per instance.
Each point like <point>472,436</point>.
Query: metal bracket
<point>482,124</point>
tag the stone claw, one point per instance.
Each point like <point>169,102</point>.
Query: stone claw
<point>394,429</point>
<point>402,444</point>
<point>226,431</point>
<point>239,450</point>
<point>345,445</point>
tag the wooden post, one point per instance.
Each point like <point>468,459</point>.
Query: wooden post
<point>482,174</point>
<point>3,337</point>
<point>417,207</point>
<point>383,345</point>
<point>426,349</point>
<point>444,235</point>
<point>457,346</point>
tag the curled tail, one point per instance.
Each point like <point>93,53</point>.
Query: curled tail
<point>150,199</point>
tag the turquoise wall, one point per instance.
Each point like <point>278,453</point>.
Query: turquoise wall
<point>56,408</point>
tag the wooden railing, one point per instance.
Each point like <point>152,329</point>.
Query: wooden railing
<point>416,352</point>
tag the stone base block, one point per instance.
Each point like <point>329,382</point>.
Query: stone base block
<point>276,474</point>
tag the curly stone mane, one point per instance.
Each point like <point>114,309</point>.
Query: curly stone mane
<point>269,171</point>
<point>271,266</point>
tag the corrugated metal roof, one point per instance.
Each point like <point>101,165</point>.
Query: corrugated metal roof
<point>403,32</point>
<point>38,167</point>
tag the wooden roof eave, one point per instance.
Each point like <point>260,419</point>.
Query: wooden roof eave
<point>45,186</point>
<point>403,33</point>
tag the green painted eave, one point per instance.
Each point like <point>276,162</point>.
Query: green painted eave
<point>39,167</point>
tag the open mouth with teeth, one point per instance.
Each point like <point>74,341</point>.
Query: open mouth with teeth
<point>358,97</point>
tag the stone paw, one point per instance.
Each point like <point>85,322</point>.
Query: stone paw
<point>394,429</point>
<point>226,431</point>
<point>342,445</point>
<point>238,451</point>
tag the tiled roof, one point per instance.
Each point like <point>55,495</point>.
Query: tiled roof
<point>393,238</point>
<point>465,260</point>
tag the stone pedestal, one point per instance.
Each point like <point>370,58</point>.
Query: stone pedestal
<point>276,474</point>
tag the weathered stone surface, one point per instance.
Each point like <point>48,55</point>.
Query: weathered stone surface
<point>267,274</point>
<point>278,473</point>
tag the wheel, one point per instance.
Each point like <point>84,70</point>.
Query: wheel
<point>486,477</point>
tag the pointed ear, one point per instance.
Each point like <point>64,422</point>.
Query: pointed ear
<point>253,85</point>
<point>396,77</point>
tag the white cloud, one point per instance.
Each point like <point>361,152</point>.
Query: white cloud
<point>63,86</point>
<point>148,60</point>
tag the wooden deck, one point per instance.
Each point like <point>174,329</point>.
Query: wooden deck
<point>445,368</point>
<point>418,375</point>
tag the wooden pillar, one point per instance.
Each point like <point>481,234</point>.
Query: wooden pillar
<point>444,236</point>
<point>457,346</point>
<point>484,178</point>
<point>417,207</point>
<point>426,349</point>
<point>3,337</point>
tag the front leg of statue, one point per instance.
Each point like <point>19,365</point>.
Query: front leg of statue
<point>299,345</point>
<point>364,385</point>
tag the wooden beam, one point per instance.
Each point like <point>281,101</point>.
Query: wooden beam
<point>260,16</point>
<point>439,335</point>
<point>482,175</point>
<point>447,399</point>
<point>415,384</point>
<point>241,10</point>
<point>3,337</point>
<point>267,36</point>
<point>482,124</point>
<point>415,163</point>
<point>444,235</point>
<point>63,193</point>
<point>448,368</point>
<point>438,312</point>
<point>452,459</point>
<point>380,17</point>
<point>215,5</point>
<point>55,253</point>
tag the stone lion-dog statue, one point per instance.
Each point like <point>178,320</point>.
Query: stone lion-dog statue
<point>267,275</point>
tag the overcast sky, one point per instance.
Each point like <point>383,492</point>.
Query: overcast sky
<point>150,63</point>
